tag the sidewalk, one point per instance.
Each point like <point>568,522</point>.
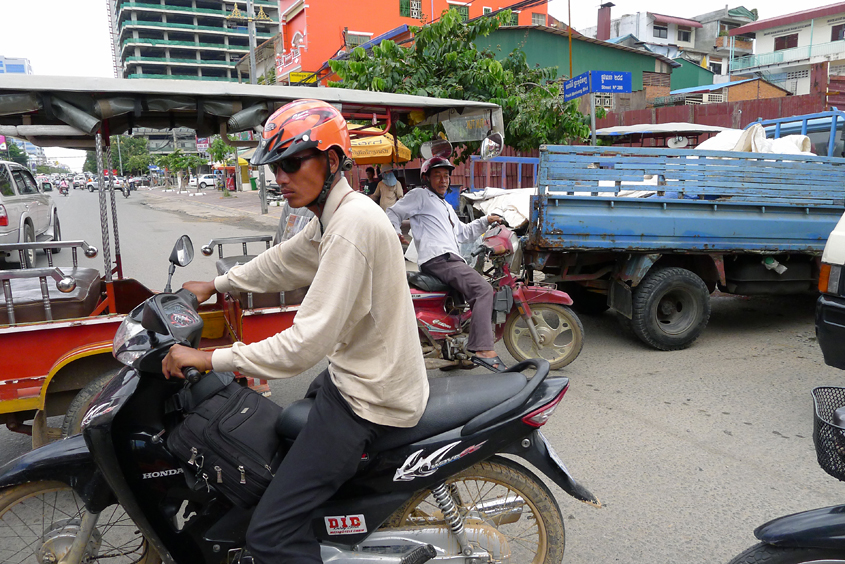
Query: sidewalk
<point>212,204</point>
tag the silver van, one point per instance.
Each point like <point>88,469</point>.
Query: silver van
<point>27,214</point>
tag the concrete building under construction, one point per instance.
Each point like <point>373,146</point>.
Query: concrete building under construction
<point>184,39</point>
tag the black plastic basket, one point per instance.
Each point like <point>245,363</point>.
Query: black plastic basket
<point>829,438</point>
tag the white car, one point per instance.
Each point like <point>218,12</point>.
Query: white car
<point>27,214</point>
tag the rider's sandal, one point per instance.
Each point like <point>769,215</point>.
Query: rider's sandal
<point>494,363</point>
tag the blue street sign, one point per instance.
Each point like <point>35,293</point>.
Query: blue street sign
<point>609,81</point>
<point>576,87</point>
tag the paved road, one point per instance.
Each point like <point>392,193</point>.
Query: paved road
<point>689,450</point>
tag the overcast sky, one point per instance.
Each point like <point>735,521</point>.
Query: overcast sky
<point>70,37</point>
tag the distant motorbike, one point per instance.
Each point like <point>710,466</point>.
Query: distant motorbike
<point>815,536</point>
<point>534,320</point>
<point>440,491</point>
<point>63,189</point>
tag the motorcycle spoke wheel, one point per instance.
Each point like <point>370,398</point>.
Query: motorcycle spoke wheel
<point>38,521</point>
<point>502,495</point>
<point>560,330</point>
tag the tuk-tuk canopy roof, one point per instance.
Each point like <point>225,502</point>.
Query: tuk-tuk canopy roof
<point>69,111</point>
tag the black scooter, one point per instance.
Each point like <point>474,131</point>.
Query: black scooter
<point>439,491</point>
<point>818,535</point>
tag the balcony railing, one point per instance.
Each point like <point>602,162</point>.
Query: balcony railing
<point>740,44</point>
<point>183,77</point>
<point>788,55</point>
<point>162,42</point>
<point>191,27</point>
<point>187,9</point>
<point>198,62</point>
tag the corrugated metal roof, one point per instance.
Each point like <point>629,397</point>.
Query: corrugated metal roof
<point>792,18</point>
<point>556,31</point>
<point>709,87</point>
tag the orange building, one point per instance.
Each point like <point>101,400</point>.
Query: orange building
<point>313,32</point>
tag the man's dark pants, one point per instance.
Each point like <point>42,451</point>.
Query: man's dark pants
<point>452,270</point>
<point>326,454</point>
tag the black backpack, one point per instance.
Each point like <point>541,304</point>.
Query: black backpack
<point>227,439</point>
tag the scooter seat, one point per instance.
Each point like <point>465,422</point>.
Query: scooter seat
<point>452,401</point>
<point>292,297</point>
<point>427,282</point>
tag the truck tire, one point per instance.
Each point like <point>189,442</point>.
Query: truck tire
<point>671,308</point>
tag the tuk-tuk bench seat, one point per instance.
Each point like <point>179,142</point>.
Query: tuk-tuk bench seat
<point>29,304</point>
<point>274,299</point>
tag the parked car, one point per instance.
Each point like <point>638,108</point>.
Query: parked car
<point>830,307</point>
<point>27,214</point>
<point>204,181</point>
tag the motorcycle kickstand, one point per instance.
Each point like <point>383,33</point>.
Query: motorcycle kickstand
<point>80,542</point>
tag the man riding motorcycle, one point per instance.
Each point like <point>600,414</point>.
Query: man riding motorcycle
<point>437,232</point>
<point>350,257</point>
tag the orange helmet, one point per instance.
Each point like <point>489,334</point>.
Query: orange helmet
<point>302,125</point>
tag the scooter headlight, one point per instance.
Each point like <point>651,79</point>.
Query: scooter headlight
<point>130,342</point>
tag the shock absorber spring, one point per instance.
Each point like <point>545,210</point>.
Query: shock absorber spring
<point>452,517</point>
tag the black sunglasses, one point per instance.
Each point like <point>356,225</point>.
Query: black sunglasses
<point>291,164</point>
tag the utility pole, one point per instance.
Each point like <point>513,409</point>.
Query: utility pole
<point>119,157</point>
<point>253,79</point>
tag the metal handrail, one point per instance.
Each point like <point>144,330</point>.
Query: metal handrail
<point>208,249</point>
<point>64,283</point>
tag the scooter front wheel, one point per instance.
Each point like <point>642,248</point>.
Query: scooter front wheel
<point>561,335</point>
<point>39,520</point>
<point>505,496</point>
<point>767,554</point>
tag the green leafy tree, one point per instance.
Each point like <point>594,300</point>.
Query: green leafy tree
<point>179,162</point>
<point>444,62</point>
<point>90,162</point>
<point>17,154</point>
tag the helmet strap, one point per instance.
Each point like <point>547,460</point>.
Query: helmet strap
<point>321,198</point>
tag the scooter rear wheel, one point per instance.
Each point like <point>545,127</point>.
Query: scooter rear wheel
<point>498,493</point>
<point>767,554</point>
<point>38,522</point>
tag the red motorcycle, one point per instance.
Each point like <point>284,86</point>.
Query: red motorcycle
<point>534,320</point>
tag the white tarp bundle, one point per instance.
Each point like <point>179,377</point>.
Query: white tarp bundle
<point>753,140</point>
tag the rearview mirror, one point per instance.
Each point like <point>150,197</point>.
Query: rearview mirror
<point>183,252</point>
<point>492,146</point>
<point>437,148</point>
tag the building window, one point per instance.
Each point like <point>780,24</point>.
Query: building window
<point>463,11</point>
<point>514,18</point>
<point>715,68</point>
<point>604,100</point>
<point>684,34</point>
<point>410,9</point>
<point>786,42</point>
<point>538,19</point>
<point>355,39</point>
<point>487,11</point>
<point>837,32</point>
<point>661,31</point>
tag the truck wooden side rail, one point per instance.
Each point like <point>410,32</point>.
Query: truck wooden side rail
<point>745,223</point>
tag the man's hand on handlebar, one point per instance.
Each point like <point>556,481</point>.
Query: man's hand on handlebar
<point>180,357</point>
<point>202,290</point>
<point>495,219</point>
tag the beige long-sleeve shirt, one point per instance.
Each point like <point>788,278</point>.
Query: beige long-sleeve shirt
<point>388,195</point>
<point>358,311</point>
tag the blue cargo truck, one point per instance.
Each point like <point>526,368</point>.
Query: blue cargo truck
<point>742,223</point>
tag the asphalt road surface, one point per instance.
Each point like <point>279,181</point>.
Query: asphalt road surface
<point>689,451</point>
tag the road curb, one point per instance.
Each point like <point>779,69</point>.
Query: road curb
<point>209,206</point>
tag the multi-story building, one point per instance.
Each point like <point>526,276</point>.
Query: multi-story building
<point>184,39</point>
<point>788,46</point>
<point>10,65</point>
<point>658,33</point>
<point>315,31</point>
<point>36,154</point>
<point>702,39</point>
<point>714,47</point>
